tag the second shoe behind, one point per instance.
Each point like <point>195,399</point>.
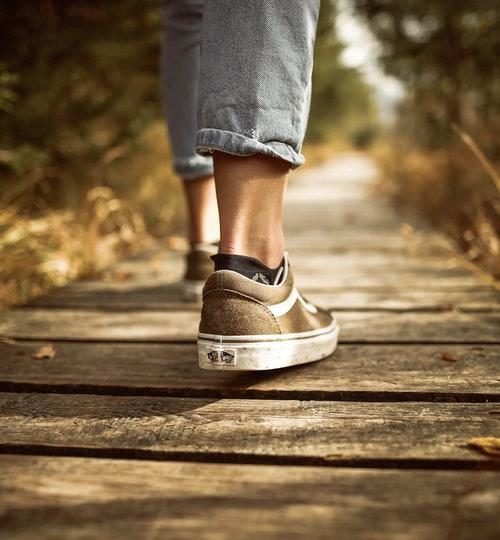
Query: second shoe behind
<point>198,267</point>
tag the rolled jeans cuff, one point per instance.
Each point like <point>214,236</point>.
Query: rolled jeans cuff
<point>194,167</point>
<point>210,139</point>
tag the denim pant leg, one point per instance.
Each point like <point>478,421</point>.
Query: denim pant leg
<point>255,77</point>
<point>180,66</point>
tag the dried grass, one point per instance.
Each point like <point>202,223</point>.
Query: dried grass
<point>451,188</point>
<point>318,153</point>
<point>41,253</point>
<point>49,250</point>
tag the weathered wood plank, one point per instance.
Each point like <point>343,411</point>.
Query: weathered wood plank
<point>328,271</point>
<point>354,280</point>
<point>182,326</point>
<point>171,297</point>
<point>136,282</point>
<point>328,432</point>
<point>317,239</point>
<point>378,261</point>
<point>375,372</point>
<point>407,300</point>
<point>169,264</point>
<point>96,498</point>
<point>345,281</point>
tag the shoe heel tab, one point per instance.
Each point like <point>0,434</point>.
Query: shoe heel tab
<point>214,281</point>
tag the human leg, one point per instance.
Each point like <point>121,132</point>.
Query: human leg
<point>250,192</point>
<point>180,65</point>
<point>254,97</point>
<point>203,217</point>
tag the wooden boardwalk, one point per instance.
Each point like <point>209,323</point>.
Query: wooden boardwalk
<point>120,435</point>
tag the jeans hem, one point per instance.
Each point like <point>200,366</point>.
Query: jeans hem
<point>197,167</point>
<point>210,139</point>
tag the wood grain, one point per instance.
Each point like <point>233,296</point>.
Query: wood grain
<point>375,372</point>
<point>170,297</point>
<point>182,326</point>
<point>75,498</point>
<point>327,432</point>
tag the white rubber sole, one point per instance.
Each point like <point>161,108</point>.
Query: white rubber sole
<point>239,353</point>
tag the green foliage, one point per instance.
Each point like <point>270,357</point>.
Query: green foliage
<point>342,102</point>
<point>78,80</point>
<point>446,53</point>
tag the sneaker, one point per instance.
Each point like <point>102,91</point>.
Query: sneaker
<point>248,325</point>
<point>197,269</point>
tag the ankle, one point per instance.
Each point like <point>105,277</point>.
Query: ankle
<point>249,267</point>
<point>269,253</point>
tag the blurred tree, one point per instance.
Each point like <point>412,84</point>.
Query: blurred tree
<point>78,80</point>
<point>447,55</point>
<point>342,101</point>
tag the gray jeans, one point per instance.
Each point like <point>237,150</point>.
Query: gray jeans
<point>236,76</point>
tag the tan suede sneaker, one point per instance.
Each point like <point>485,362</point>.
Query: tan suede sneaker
<point>246,325</point>
<point>198,267</point>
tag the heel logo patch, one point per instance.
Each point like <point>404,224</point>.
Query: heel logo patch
<point>222,357</point>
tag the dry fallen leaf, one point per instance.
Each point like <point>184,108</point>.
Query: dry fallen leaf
<point>487,445</point>
<point>448,357</point>
<point>447,307</point>
<point>7,340</point>
<point>118,277</point>
<point>333,457</point>
<point>47,351</point>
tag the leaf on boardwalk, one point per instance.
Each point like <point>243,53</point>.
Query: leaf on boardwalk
<point>487,445</point>
<point>333,457</point>
<point>118,276</point>
<point>45,352</point>
<point>7,340</point>
<point>448,357</point>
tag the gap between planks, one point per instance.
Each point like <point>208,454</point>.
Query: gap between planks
<point>353,373</point>
<point>249,393</point>
<point>230,458</point>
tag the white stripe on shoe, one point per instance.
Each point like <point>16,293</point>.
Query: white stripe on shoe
<point>310,307</point>
<point>219,338</point>
<point>280,309</point>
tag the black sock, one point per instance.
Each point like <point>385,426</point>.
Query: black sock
<point>247,266</point>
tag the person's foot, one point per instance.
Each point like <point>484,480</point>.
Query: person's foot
<point>198,266</point>
<point>249,325</point>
